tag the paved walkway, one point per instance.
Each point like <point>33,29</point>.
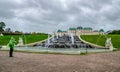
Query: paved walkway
<point>29,62</point>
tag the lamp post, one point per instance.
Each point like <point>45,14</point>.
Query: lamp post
<point>86,50</point>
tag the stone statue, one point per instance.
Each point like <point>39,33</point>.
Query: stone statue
<point>108,44</point>
<point>1,34</point>
<point>20,42</point>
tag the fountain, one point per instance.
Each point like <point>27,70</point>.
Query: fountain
<point>53,38</point>
<point>64,41</point>
<point>68,32</point>
<point>67,44</point>
<point>57,35</point>
<point>47,43</point>
<point>72,38</point>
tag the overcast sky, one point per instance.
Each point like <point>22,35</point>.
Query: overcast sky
<point>50,15</point>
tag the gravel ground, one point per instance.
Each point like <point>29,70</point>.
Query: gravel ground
<point>29,62</point>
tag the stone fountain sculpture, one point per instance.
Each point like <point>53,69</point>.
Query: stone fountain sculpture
<point>20,42</point>
<point>64,41</point>
<point>108,44</point>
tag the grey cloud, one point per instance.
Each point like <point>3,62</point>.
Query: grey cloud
<point>50,15</point>
<point>4,13</point>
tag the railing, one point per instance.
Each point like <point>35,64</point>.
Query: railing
<point>94,45</point>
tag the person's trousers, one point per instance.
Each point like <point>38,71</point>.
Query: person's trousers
<point>11,52</point>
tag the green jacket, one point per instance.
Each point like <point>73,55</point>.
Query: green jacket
<point>12,42</point>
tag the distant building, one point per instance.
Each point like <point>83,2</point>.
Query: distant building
<point>61,33</point>
<point>81,31</point>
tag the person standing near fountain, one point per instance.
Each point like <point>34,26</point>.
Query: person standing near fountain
<point>11,45</point>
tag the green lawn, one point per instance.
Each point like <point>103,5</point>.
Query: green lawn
<point>26,38</point>
<point>100,39</point>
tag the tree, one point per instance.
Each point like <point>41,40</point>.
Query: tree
<point>2,26</point>
<point>33,33</point>
<point>115,32</point>
<point>80,27</point>
<point>8,30</point>
<point>101,30</point>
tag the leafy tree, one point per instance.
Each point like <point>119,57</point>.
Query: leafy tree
<point>8,30</point>
<point>2,26</point>
<point>101,30</point>
<point>115,32</point>
<point>80,27</point>
<point>33,33</point>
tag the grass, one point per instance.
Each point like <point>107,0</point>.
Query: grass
<point>33,38</point>
<point>26,38</point>
<point>101,39</point>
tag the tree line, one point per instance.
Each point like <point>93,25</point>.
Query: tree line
<point>115,32</point>
<point>8,31</point>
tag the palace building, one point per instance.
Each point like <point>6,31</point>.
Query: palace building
<point>81,31</point>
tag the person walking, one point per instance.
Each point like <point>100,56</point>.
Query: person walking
<point>11,45</point>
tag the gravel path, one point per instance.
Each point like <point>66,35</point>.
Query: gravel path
<point>29,62</point>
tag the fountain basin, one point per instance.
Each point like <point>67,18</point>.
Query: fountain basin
<point>58,50</point>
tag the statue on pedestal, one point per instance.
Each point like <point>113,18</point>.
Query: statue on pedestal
<point>20,42</point>
<point>1,34</point>
<point>108,44</point>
